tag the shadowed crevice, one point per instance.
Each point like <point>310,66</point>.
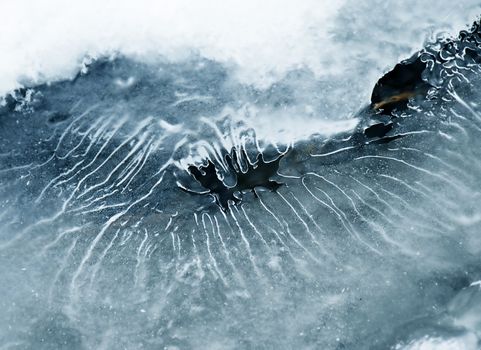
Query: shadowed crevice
<point>256,175</point>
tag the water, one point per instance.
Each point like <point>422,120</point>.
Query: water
<point>365,245</point>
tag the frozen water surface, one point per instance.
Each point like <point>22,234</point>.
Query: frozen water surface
<point>371,242</point>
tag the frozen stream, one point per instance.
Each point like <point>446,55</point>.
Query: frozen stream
<point>107,241</point>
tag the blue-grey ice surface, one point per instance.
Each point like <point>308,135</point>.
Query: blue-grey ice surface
<point>372,247</point>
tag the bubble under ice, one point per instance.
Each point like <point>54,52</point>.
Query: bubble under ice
<point>373,247</point>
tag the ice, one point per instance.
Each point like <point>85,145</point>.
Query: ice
<point>107,241</point>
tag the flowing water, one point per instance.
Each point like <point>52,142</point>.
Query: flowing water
<point>107,241</point>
